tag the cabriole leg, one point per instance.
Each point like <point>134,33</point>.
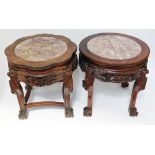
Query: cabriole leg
<point>88,85</point>
<point>28,93</point>
<point>17,89</point>
<point>139,85</point>
<point>67,89</point>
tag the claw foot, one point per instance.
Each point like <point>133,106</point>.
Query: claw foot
<point>69,112</point>
<point>87,111</point>
<point>23,114</point>
<point>133,112</point>
<point>125,84</point>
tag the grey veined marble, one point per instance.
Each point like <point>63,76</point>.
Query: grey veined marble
<point>114,47</point>
<point>40,48</point>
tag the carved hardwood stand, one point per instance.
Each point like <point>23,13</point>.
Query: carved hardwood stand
<point>113,71</point>
<point>41,76</point>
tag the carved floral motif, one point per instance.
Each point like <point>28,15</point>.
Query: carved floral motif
<point>111,75</point>
<point>14,83</point>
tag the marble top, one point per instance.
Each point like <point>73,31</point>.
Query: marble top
<point>40,48</point>
<point>114,47</point>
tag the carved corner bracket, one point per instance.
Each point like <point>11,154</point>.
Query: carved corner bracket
<point>14,82</point>
<point>112,75</point>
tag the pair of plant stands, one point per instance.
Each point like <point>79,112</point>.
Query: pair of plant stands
<point>42,60</point>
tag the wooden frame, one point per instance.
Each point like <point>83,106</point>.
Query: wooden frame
<point>41,74</point>
<point>116,71</point>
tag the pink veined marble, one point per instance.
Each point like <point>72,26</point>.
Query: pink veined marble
<point>114,47</point>
<point>40,48</point>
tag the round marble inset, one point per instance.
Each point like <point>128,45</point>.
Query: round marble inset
<point>114,47</point>
<point>40,48</point>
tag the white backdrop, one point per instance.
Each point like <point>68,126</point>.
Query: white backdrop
<point>49,126</point>
<point>110,100</point>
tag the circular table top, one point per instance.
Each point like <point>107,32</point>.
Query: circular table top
<point>114,48</point>
<point>40,48</point>
<point>41,51</point>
